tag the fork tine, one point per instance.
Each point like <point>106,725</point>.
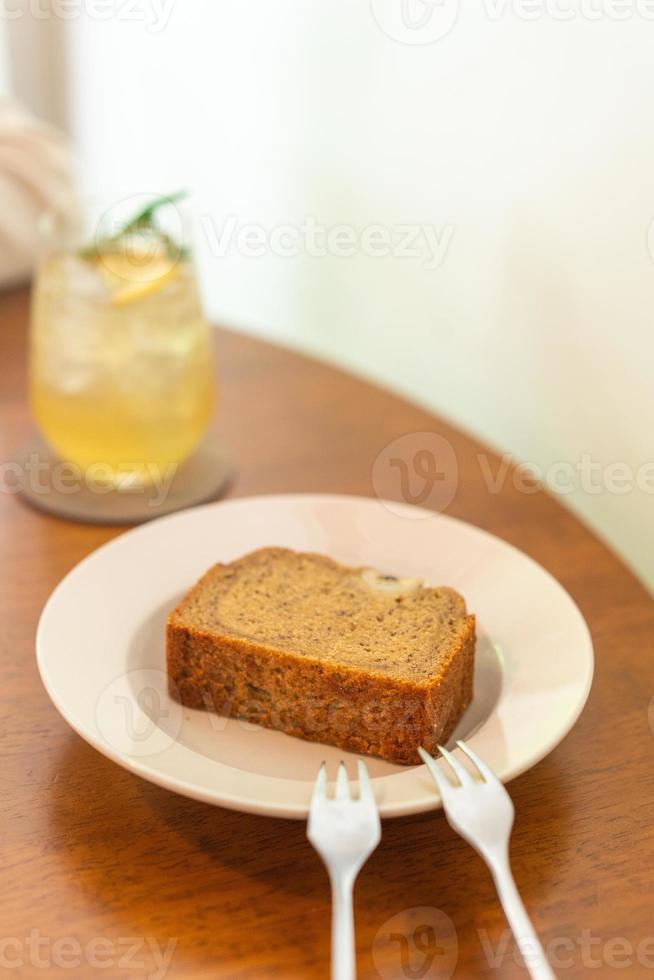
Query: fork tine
<point>441,780</point>
<point>484,770</point>
<point>320,785</point>
<point>342,787</point>
<point>460,771</point>
<point>366,794</point>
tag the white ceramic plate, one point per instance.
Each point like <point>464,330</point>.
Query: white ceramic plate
<point>100,648</point>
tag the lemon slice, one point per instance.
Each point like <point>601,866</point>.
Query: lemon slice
<point>133,275</point>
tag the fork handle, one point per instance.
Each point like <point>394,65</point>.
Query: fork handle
<point>343,959</point>
<point>533,955</point>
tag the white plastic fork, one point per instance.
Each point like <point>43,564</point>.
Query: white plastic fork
<point>481,811</point>
<point>345,832</point>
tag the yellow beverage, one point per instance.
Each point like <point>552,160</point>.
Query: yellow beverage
<point>120,376</point>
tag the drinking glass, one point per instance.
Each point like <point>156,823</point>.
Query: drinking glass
<point>121,379</point>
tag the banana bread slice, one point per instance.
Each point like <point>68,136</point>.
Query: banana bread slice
<point>348,656</point>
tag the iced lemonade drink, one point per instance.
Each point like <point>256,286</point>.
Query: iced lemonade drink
<point>121,377</point>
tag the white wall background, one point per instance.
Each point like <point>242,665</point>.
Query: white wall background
<point>533,139</point>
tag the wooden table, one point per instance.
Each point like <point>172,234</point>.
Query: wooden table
<point>99,865</point>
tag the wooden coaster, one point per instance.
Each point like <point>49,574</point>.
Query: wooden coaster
<point>49,484</point>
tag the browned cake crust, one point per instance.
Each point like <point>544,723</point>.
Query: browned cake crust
<point>301,644</point>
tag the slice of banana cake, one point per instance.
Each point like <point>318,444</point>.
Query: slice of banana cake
<point>349,656</point>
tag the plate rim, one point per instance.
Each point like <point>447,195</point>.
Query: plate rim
<point>288,810</point>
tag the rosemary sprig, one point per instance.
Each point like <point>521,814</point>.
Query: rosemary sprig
<point>144,218</point>
<point>143,221</point>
